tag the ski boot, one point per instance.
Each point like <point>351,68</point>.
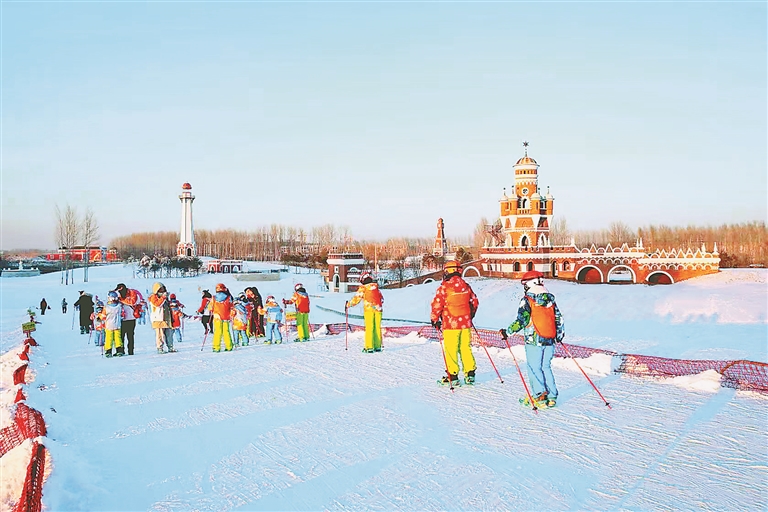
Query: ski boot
<point>108,354</point>
<point>368,351</point>
<point>539,400</point>
<point>452,380</point>
<point>469,378</point>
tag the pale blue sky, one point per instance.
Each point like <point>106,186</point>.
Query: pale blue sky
<point>379,116</point>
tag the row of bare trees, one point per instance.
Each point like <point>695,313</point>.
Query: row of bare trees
<point>72,230</point>
<point>739,245</point>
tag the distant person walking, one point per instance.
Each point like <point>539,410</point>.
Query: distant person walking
<point>539,318</point>
<point>64,305</point>
<point>43,306</point>
<point>84,305</point>
<point>373,305</point>
<point>453,308</point>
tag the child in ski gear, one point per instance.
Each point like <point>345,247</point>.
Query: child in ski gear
<point>132,301</point>
<point>64,306</point>
<point>44,306</point>
<point>256,319</point>
<point>300,300</point>
<point>539,319</point>
<point>221,311</point>
<point>273,314</point>
<point>98,321</point>
<point>240,314</point>
<point>177,316</point>
<point>453,308</point>
<point>373,302</point>
<point>84,305</point>
<point>161,318</point>
<point>205,311</point>
<point>113,317</point>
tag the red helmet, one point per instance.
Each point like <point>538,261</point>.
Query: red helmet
<point>173,296</point>
<point>221,288</point>
<point>530,275</point>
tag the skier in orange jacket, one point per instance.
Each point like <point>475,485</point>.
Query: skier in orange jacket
<point>373,303</point>
<point>453,309</point>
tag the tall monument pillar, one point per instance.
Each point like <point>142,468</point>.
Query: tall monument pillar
<point>186,245</point>
<point>441,245</point>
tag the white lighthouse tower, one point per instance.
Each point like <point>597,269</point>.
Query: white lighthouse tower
<point>186,245</point>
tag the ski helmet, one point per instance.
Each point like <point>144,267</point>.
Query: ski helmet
<point>221,288</point>
<point>297,286</point>
<point>531,275</point>
<point>271,298</point>
<point>173,296</point>
<point>451,268</point>
<point>366,278</point>
<point>112,296</point>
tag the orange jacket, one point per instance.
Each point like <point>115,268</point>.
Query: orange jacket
<point>301,300</point>
<point>222,309</point>
<point>371,297</point>
<point>454,304</point>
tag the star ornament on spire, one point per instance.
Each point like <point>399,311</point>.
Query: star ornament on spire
<point>525,145</point>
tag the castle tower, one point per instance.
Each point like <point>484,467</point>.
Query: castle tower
<point>441,246</point>
<point>526,214</point>
<point>186,245</point>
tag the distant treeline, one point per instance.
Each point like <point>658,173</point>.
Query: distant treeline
<point>273,243</point>
<point>739,245</point>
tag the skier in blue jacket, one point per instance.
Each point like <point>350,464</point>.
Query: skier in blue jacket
<point>538,317</point>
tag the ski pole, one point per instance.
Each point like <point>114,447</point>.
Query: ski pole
<point>585,374</point>
<point>487,353</point>
<point>204,338</point>
<point>527,391</point>
<point>445,358</point>
<point>73,319</point>
<point>346,328</point>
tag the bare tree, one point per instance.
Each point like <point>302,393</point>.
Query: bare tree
<point>67,234</point>
<point>89,231</point>
<point>559,234</point>
<point>480,236</point>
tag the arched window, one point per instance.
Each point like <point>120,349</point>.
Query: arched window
<point>530,265</point>
<point>524,203</point>
<point>524,241</point>
<point>517,266</point>
<point>566,265</point>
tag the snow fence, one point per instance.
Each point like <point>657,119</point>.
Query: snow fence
<point>28,423</point>
<point>738,374</point>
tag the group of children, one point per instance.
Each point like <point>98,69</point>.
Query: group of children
<point>235,320</point>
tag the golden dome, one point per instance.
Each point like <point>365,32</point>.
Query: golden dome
<point>526,160</point>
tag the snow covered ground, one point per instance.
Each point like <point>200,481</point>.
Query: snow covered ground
<point>313,426</point>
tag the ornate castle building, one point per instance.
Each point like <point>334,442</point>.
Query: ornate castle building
<point>519,241</point>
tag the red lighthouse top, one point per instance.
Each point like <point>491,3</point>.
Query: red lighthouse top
<point>186,186</point>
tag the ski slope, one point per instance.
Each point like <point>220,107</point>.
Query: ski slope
<point>312,426</point>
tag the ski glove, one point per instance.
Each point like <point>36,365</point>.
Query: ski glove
<point>503,333</point>
<point>437,324</point>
